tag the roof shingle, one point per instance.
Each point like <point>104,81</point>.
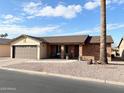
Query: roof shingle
<point>4,41</point>
<point>66,39</point>
<point>96,39</point>
<point>75,39</point>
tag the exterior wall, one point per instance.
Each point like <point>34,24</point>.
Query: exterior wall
<point>4,50</point>
<point>38,51</point>
<point>93,50</point>
<point>43,51</point>
<point>25,41</point>
<point>80,51</point>
<point>121,49</point>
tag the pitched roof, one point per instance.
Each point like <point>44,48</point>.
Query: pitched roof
<point>75,39</point>
<point>96,39</point>
<point>66,39</point>
<point>23,35</point>
<point>4,41</point>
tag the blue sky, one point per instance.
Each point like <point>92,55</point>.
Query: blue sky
<point>60,17</point>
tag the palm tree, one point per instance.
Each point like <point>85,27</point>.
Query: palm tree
<point>103,50</point>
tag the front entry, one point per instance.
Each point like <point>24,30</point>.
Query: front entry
<point>72,51</point>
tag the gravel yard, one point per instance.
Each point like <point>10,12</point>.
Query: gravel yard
<point>111,71</point>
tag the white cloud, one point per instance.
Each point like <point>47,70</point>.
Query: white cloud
<point>96,30</point>
<point>82,32</point>
<point>10,19</point>
<point>114,26</point>
<point>35,9</point>
<point>88,31</point>
<point>31,7</point>
<point>117,1</point>
<point>15,30</point>
<point>92,4</point>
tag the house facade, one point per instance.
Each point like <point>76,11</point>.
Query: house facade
<point>121,48</point>
<point>72,47</point>
<point>4,47</point>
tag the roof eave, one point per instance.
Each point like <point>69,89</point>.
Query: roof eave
<point>25,36</point>
<point>120,42</point>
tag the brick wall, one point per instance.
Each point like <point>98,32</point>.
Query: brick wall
<point>94,50</point>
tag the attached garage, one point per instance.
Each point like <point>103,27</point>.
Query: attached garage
<point>28,47</point>
<point>4,47</point>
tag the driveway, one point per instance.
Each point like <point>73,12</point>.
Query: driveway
<point>15,82</point>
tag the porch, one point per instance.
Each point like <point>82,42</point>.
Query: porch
<point>63,51</point>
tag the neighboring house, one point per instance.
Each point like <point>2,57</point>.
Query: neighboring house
<point>115,52</point>
<point>83,46</point>
<point>121,48</point>
<point>4,47</point>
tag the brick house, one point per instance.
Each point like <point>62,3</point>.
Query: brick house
<point>73,47</point>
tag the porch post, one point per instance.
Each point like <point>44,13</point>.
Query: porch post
<point>38,52</point>
<point>62,51</point>
<point>80,51</point>
<point>11,51</point>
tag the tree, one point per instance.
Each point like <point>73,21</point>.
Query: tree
<point>103,50</point>
<point>3,35</point>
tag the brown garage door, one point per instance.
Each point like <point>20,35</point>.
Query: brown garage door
<point>27,52</point>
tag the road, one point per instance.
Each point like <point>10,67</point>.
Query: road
<point>15,82</point>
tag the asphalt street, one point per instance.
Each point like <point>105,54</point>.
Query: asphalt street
<point>16,82</point>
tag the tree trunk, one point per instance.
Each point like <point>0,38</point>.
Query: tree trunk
<point>103,50</point>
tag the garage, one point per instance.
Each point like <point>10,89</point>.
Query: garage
<point>28,47</point>
<point>25,51</point>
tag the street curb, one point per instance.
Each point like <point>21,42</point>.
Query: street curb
<point>63,76</point>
